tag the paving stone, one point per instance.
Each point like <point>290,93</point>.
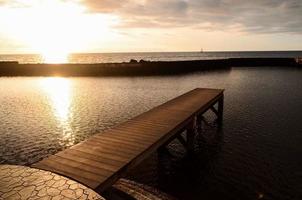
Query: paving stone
<point>26,192</point>
<point>5,189</point>
<point>4,172</point>
<point>45,198</point>
<point>59,183</point>
<point>63,187</point>
<point>17,173</point>
<point>79,192</point>
<point>53,192</point>
<point>92,196</point>
<point>25,174</point>
<point>6,179</point>
<point>8,194</point>
<point>48,177</point>
<point>69,194</point>
<point>50,182</point>
<point>42,192</point>
<point>84,196</point>
<point>74,186</point>
<point>58,197</point>
<point>56,178</point>
<point>34,194</point>
<point>15,196</point>
<point>18,182</point>
<point>18,188</point>
<point>39,187</point>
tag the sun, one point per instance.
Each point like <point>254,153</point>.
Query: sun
<point>55,28</point>
<point>58,34</point>
<point>55,57</point>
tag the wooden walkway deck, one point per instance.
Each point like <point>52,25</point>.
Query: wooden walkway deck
<point>105,157</point>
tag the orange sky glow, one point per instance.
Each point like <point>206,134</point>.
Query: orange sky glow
<point>55,28</point>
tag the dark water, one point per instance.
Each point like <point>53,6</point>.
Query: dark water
<point>155,56</point>
<point>257,155</point>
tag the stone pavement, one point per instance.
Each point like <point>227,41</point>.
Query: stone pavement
<point>18,182</point>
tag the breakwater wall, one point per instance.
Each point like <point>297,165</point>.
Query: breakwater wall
<point>141,68</point>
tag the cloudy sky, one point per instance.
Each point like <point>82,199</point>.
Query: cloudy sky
<point>28,26</point>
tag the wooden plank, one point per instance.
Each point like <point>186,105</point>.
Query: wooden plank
<point>101,150</point>
<point>137,137</point>
<point>83,159</point>
<point>102,159</point>
<point>139,121</point>
<point>143,136</point>
<point>165,117</point>
<point>125,141</point>
<point>97,157</point>
<point>107,161</point>
<point>129,148</point>
<point>140,135</point>
<point>67,169</point>
<point>112,147</point>
<point>144,124</point>
<point>90,170</point>
<point>152,131</point>
<point>118,144</point>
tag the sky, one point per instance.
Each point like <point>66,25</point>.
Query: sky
<point>65,26</point>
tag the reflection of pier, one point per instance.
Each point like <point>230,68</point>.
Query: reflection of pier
<point>104,158</point>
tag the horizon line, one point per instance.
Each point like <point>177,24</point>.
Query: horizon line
<point>124,52</point>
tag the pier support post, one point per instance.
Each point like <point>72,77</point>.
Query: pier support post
<point>199,123</point>
<point>220,111</point>
<point>191,130</point>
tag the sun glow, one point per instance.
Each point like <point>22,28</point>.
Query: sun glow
<point>55,57</point>
<point>54,28</point>
<point>59,93</point>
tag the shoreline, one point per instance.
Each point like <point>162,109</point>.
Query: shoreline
<point>141,68</point>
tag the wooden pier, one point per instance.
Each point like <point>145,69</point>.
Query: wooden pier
<point>101,160</point>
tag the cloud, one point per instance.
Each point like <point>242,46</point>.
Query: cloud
<point>104,6</point>
<point>2,2</point>
<point>256,16</point>
<point>259,16</point>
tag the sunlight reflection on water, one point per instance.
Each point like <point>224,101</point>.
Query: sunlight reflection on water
<point>55,58</point>
<point>60,94</point>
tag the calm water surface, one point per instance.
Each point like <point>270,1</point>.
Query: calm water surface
<point>151,56</point>
<point>256,156</point>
